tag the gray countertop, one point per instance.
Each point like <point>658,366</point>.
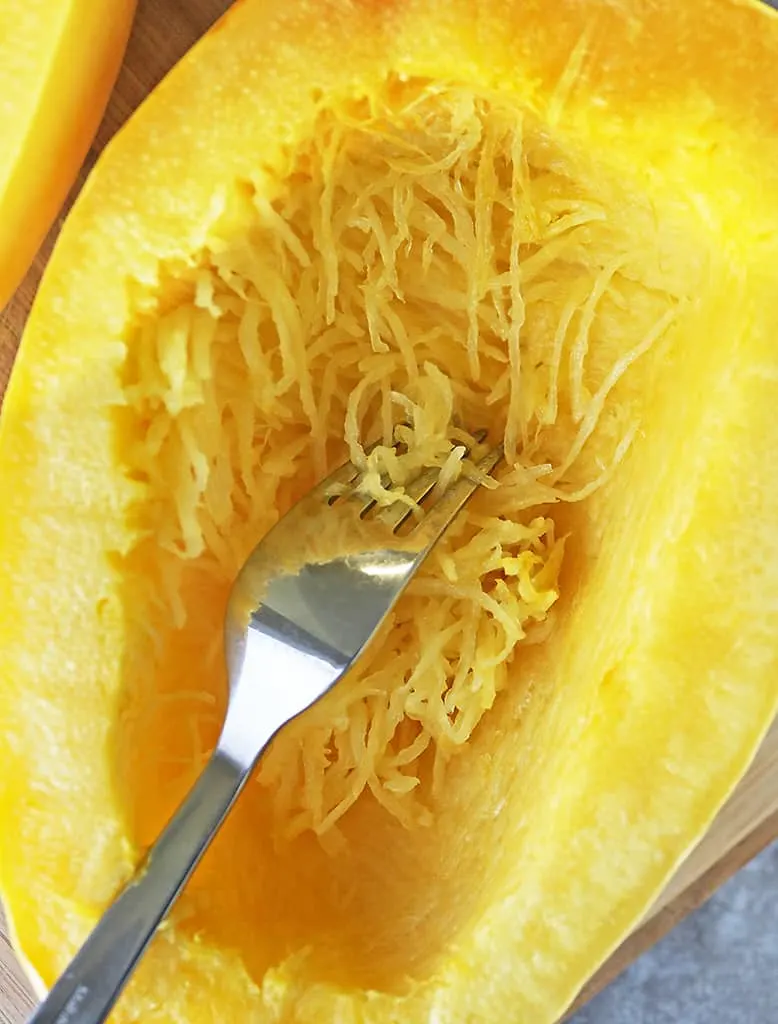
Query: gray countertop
<point>719,966</point>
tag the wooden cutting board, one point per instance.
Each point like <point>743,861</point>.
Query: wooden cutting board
<point>164,30</point>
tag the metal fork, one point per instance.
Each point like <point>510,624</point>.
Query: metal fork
<point>304,606</point>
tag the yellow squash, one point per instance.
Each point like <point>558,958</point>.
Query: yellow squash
<point>58,62</point>
<point>334,222</point>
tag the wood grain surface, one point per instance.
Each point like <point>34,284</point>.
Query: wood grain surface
<point>163,31</point>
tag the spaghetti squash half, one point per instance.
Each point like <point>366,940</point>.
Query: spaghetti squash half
<point>347,223</point>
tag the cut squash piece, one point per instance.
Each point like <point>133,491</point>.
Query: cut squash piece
<point>336,227</point>
<point>58,62</point>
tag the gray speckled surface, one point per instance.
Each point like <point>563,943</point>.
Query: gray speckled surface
<point>719,966</point>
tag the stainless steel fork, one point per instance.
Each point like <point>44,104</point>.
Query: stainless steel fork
<point>304,606</point>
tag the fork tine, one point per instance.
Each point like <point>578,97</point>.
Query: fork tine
<point>435,519</point>
<point>366,505</point>
<point>341,476</point>
<point>327,488</point>
<point>346,474</point>
<point>395,515</point>
<point>441,512</point>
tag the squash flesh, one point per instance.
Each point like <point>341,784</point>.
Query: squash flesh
<point>398,296</point>
<point>432,867</point>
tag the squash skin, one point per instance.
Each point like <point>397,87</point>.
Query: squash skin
<point>56,94</point>
<point>346,46</point>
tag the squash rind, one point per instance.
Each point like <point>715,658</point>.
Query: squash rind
<point>58,63</point>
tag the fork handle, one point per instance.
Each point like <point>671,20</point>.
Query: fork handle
<point>90,986</point>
